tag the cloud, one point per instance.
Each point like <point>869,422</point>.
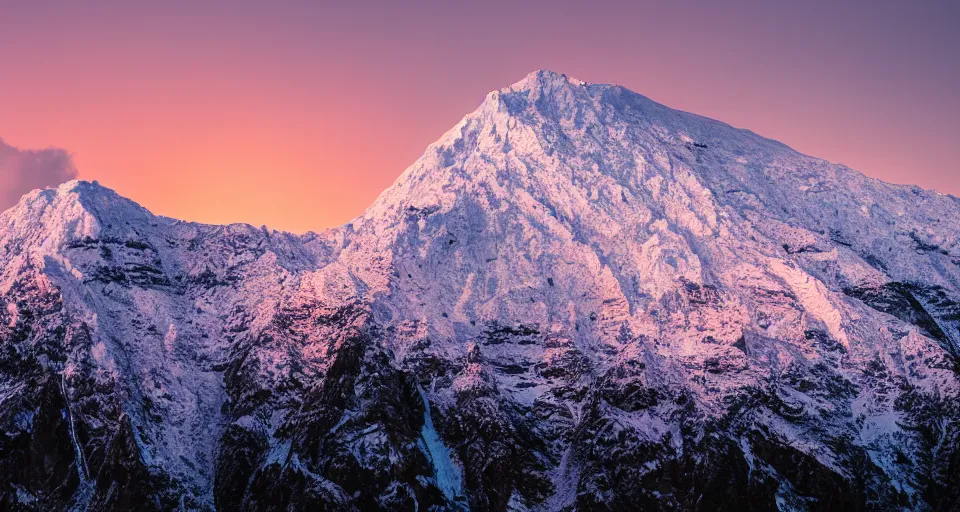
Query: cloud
<point>22,170</point>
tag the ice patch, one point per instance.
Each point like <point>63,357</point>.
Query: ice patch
<point>279,454</point>
<point>81,460</point>
<point>447,474</point>
<point>747,454</point>
<point>24,420</point>
<point>23,496</point>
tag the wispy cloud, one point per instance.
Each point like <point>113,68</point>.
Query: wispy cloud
<point>22,170</point>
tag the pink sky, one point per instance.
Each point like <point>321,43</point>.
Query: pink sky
<point>297,117</point>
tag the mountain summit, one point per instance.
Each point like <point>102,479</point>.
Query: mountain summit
<point>576,299</point>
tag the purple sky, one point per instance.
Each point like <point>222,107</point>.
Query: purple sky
<point>193,108</point>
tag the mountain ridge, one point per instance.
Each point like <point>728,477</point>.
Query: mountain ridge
<point>544,77</point>
<point>576,299</point>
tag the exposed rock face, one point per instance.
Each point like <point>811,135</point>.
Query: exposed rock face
<point>577,299</point>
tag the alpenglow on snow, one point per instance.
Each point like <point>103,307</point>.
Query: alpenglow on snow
<point>576,299</point>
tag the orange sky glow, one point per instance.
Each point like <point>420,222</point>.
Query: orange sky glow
<point>297,117</point>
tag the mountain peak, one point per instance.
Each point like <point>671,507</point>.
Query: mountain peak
<point>73,190</point>
<point>571,269</point>
<point>548,92</point>
<point>73,210</point>
<point>544,78</point>
<point>84,186</point>
<point>95,196</point>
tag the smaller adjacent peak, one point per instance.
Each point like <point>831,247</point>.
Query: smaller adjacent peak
<point>100,201</point>
<point>104,203</point>
<point>91,191</point>
<point>83,186</point>
<point>76,190</point>
<point>74,210</point>
<point>73,184</point>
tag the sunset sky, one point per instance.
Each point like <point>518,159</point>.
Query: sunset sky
<point>298,116</point>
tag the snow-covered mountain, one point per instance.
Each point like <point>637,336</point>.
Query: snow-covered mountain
<point>576,299</point>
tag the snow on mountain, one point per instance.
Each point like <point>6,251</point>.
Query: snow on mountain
<point>576,299</point>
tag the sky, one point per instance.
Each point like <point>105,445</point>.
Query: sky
<point>296,115</point>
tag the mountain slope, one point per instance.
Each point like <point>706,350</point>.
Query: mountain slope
<point>576,299</point>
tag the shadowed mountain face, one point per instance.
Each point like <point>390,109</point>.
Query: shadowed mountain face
<point>576,299</point>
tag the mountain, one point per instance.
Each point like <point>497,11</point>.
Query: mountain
<point>576,299</point>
